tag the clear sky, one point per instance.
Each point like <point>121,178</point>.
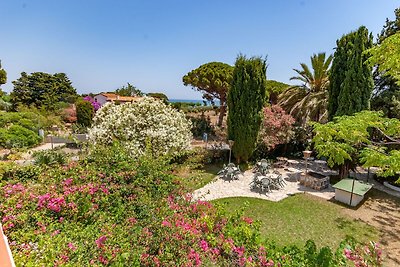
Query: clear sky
<point>102,45</point>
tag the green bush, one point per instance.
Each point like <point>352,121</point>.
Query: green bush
<point>84,113</point>
<point>20,173</point>
<point>201,125</point>
<point>49,157</point>
<point>18,136</point>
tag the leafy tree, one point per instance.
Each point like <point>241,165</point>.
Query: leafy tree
<point>275,88</point>
<point>386,94</point>
<point>366,136</point>
<point>308,102</point>
<point>213,80</point>
<point>42,90</point>
<point>84,113</point>
<point>387,56</point>
<point>3,78</point>
<point>246,99</point>
<point>160,96</point>
<point>129,90</point>
<point>351,80</point>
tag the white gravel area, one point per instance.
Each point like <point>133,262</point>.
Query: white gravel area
<point>220,188</point>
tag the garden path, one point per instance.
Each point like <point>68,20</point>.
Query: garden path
<point>220,188</point>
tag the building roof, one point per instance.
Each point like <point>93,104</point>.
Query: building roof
<point>115,97</point>
<point>360,188</point>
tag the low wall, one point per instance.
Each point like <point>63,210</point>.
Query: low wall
<point>395,188</point>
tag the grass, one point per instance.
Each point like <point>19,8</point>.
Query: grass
<point>195,179</point>
<point>301,217</point>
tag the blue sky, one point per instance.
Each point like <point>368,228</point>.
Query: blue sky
<point>102,45</point>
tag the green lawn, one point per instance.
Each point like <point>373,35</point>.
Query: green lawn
<point>298,218</point>
<point>195,179</point>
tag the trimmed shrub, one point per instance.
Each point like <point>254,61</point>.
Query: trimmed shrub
<point>84,113</point>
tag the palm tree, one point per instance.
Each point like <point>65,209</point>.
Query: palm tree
<point>308,102</point>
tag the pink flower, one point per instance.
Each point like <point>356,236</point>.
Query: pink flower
<point>242,261</point>
<point>43,199</point>
<point>100,241</point>
<point>103,260</point>
<point>68,181</point>
<point>61,219</point>
<point>166,223</point>
<point>56,232</point>
<point>144,256</point>
<point>156,261</point>
<point>248,220</point>
<point>204,245</point>
<point>65,258</point>
<point>193,255</point>
<point>55,204</point>
<point>215,251</point>
<point>239,251</point>
<point>132,220</point>
<point>71,246</point>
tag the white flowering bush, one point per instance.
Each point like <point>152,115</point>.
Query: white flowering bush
<point>144,124</point>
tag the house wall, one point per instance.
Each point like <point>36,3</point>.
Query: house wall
<point>344,197</point>
<point>101,99</point>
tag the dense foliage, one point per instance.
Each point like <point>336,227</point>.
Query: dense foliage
<point>386,95</point>
<point>84,113</point>
<point>246,98</point>
<point>386,56</point>
<point>351,80</point>
<point>308,102</point>
<point>200,125</point>
<point>276,127</point>
<point>213,80</point>
<point>275,88</point>
<point>112,210</point>
<point>129,90</point>
<point>144,123</point>
<point>367,137</point>
<point>159,96</point>
<point>20,129</point>
<point>42,90</point>
<point>3,76</point>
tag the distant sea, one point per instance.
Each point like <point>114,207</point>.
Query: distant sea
<point>193,101</point>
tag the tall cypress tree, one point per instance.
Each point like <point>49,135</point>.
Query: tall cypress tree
<point>351,82</point>
<point>246,99</point>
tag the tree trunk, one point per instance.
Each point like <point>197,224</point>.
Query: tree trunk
<point>222,111</point>
<point>344,170</point>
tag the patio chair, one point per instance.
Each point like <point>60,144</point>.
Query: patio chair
<point>265,184</point>
<point>262,166</point>
<point>280,180</point>
<point>255,183</point>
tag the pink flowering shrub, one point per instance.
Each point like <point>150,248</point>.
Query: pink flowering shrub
<point>110,210</point>
<point>276,127</point>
